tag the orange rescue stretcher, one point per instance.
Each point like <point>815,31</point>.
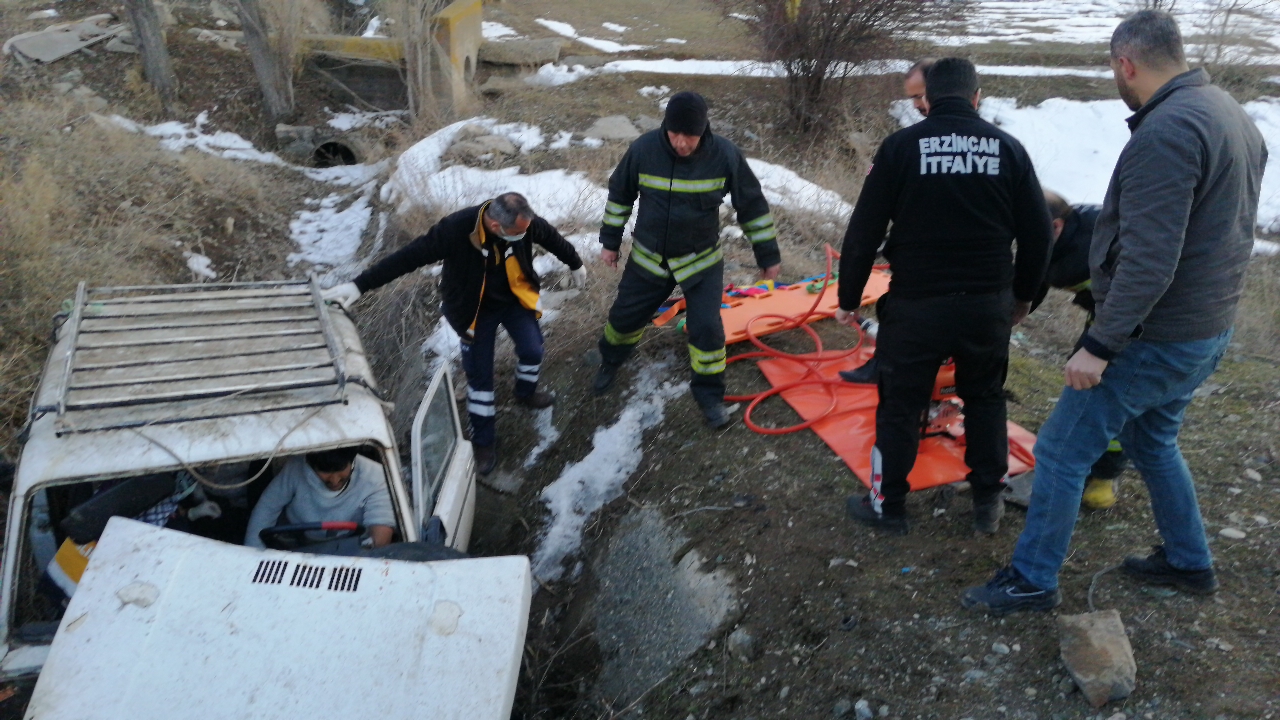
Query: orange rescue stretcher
<point>844,414</point>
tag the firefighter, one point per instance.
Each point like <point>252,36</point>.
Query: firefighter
<point>487,280</point>
<point>1069,270</point>
<point>681,173</point>
<point>959,191</point>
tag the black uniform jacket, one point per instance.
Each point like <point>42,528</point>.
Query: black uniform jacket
<point>1069,262</point>
<point>959,191</point>
<point>458,240</point>
<point>680,198</point>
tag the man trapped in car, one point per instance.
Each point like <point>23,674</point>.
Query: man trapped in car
<point>488,280</point>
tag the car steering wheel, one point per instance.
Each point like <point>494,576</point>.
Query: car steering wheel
<point>291,537</point>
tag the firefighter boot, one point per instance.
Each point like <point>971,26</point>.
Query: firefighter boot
<point>1098,494</point>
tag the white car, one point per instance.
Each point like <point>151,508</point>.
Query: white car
<point>196,395</point>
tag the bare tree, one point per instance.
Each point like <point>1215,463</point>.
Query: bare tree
<point>155,54</point>
<point>424,60</point>
<point>275,73</point>
<point>821,43</point>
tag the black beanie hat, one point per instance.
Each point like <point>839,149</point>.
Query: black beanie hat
<point>687,114</point>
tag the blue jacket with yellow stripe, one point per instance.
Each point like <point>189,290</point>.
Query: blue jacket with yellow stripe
<point>678,228</point>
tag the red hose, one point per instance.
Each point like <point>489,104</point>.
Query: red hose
<point>811,360</point>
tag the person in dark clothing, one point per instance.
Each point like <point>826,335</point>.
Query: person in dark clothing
<point>487,280</point>
<point>1069,270</point>
<point>1168,260</point>
<point>959,191</point>
<point>680,172</point>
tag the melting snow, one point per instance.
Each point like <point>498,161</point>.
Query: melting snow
<point>344,121</point>
<point>652,91</point>
<point>199,265</point>
<point>443,343</point>
<point>497,31</point>
<point>586,486</point>
<point>675,41</point>
<point>614,27</point>
<point>331,234</point>
<point>371,30</point>
<point>784,188</point>
<point>569,31</point>
<point>547,436</point>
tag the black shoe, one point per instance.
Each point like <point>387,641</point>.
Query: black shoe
<point>538,401</point>
<point>1009,592</point>
<point>1156,570</point>
<point>987,514</point>
<point>860,510</point>
<point>867,374</point>
<point>605,375</point>
<point>486,458</point>
<point>717,417</point>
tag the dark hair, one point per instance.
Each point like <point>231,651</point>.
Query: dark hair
<point>922,66</point>
<point>1058,208</point>
<point>950,77</point>
<point>1149,38</point>
<point>328,461</point>
<point>509,207</point>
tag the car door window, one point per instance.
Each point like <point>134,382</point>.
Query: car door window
<point>436,434</point>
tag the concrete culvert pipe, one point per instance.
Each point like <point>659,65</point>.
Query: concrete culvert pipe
<point>332,154</point>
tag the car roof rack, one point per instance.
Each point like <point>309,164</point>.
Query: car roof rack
<point>158,354</point>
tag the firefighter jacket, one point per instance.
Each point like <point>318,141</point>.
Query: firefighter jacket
<point>1069,261</point>
<point>958,191</point>
<point>677,231</point>
<point>468,252</point>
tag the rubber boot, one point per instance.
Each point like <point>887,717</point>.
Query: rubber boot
<point>1098,494</point>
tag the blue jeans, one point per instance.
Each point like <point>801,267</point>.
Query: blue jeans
<point>477,362</point>
<point>1142,399</point>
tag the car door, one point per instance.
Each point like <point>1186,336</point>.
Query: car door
<point>444,485</point>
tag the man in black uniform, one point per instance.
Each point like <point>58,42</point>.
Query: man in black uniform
<point>958,191</point>
<point>681,172</point>
<point>487,280</point>
<point>1069,270</point>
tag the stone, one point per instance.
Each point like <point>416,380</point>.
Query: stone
<point>974,675</point>
<point>1253,475</point>
<point>862,710</point>
<point>647,123</point>
<point>884,711</point>
<point>843,707</point>
<point>1119,716</point>
<point>165,14</point>
<point>466,150</point>
<point>73,76</point>
<point>586,61</point>
<point>1000,648</point>
<point>1232,533</point>
<point>782,695</point>
<point>122,43</point>
<point>742,644</point>
<point>62,88</point>
<point>1098,655</point>
<point>613,127</point>
<point>287,134</point>
<point>524,53</point>
<point>496,144</point>
<point>497,85</point>
<point>218,11</point>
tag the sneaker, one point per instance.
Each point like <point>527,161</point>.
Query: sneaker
<point>987,514</point>
<point>866,374</point>
<point>1098,494</point>
<point>486,458</point>
<point>717,416</point>
<point>861,510</point>
<point>605,375</point>
<point>538,401</point>
<point>1009,592</point>
<point>1156,570</point>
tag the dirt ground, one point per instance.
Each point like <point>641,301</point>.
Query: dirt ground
<point>839,614</point>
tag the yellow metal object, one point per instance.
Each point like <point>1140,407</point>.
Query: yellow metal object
<point>383,49</point>
<point>1099,494</point>
<point>793,10</point>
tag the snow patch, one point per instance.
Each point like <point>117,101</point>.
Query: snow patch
<point>559,28</point>
<point>1265,113</point>
<point>371,30</point>
<point>497,31</point>
<point>547,436</point>
<point>559,196</point>
<point>784,188</point>
<point>561,141</point>
<point>675,41</point>
<point>199,265</point>
<point>443,342</point>
<point>566,30</point>
<point>615,27</point>
<point>331,234</point>
<point>344,121</point>
<point>586,486</point>
<point>552,74</point>
<point>1265,248</point>
<point>744,18</point>
<point>652,91</point>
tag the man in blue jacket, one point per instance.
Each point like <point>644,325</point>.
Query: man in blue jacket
<point>680,172</point>
<point>1168,263</point>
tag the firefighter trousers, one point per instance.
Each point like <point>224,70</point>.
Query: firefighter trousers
<point>916,336</point>
<point>641,293</point>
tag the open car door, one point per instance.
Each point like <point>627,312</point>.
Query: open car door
<point>444,482</point>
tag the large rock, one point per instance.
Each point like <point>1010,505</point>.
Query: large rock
<point>1098,655</point>
<point>532,53</point>
<point>613,127</point>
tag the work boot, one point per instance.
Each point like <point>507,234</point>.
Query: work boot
<point>1155,569</point>
<point>1009,592</point>
<point>537,401</point>
<point>861,510</point>
<point>717,416</point>
<point>486,458</point>
<point>605,375</point>
<point>866,374</point>
<point>1098,494</point>
<point>987,514</point>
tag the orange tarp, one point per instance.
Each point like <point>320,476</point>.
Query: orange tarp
<point>850,429</point>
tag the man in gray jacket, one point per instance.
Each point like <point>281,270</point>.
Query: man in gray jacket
<point>1167,263</point>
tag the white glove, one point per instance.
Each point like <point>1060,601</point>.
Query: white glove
<point>579,277</point>
<point>345,294</point>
